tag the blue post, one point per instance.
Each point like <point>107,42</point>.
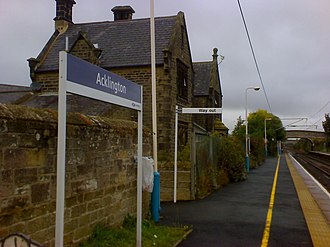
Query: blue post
<point>247,163</point>
<point>155,198</point>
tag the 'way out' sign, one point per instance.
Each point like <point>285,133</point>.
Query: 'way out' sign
<point>80,77</point>
<point>201,110</point>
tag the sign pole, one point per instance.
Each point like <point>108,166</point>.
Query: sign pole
<point>61,144</point>
<point>176,153</point>
<point>155,197</point>
<point>153,84</point>
<point>139,178</point>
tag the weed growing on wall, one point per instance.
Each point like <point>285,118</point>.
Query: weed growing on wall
<point>125,236</point>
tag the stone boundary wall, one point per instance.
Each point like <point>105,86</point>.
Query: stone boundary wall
<point>100,173</point>
<point>185,179</point>
<point>183,186</point>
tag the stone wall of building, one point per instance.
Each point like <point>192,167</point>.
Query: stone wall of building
<point>166,102</point>
<point>206,121</point>
<point>48,80</point>
<point>201,119</point>
<point>100,173</point>
<point>167,90</point>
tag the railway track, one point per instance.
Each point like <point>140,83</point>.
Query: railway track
<point>317,165</point>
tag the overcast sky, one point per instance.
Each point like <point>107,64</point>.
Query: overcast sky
<point>291,40</point>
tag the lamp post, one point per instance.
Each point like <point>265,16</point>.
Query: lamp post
<point>266,119</point>
<point>247,160</point>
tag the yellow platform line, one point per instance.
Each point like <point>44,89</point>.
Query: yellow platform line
<point>265,236</point>
<point>318,226</point>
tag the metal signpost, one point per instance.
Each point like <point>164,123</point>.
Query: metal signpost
<point>80,77</point>
<point>186,111</point>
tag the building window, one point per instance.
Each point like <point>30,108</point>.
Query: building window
<point>182,80</point>
<point>182,134</point>
<point>216,100</point>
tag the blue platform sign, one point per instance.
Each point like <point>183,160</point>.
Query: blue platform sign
<point>80,77</point>
<point>81,74</point>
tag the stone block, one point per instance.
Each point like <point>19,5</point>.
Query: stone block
<point>19,158</point>
<point>6,176</point>
<point>184,176</point>
<point>1,160</point>
<point>8,140</point>
<point>38,224</point>
<point>19,227</point>
<point>23,190</point>
<point>96,216</point>
<point>84,169</point>
<point>6,220</point>
<point>89,196</point>
<point>94,205</point>
<point>83,220</point>
<point>40,192</point>
<point>43,236</point>
<point>71,201</point>
<point>29,140</point>
<point>12,204</point>
<point>37,157</point>
<point>14,158</point>
<point>35,211</point>
<point>184,194</point>
<point>25,176</point>
<point>71,225</point>
<point>82,232</point>
<point>69,239</point>
<point>78,210</point>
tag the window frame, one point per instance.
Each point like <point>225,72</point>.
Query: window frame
<point>182,80</point>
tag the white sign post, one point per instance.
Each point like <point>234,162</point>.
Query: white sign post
<point>186,111</point>
<point>80,77</point>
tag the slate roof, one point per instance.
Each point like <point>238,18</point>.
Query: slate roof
<point>202,78</point>
<point>11,93</point>
<point>123,43</point>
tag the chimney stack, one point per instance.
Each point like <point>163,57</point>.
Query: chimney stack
<point>122,13</point>
<point>63,14</point>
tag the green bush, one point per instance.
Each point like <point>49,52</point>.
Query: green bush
<point>222,178</point>
<point>231,158</point>
<point>257,155</point>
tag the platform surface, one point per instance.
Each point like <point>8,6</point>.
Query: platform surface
<point>236,215</point>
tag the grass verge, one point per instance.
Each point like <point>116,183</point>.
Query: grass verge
<point>125,236</point>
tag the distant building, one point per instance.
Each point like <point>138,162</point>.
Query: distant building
<point>207,92</point>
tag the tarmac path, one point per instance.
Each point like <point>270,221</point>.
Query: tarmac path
<point>236,214</point>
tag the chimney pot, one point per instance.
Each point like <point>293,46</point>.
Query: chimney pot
<point>123,13</point>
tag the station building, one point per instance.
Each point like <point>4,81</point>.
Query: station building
<point>122,46</point>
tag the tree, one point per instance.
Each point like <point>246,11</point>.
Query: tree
<point>239,129</point>
<point>326,127</point>
<point>274,129</point>
<point>275,132</point>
